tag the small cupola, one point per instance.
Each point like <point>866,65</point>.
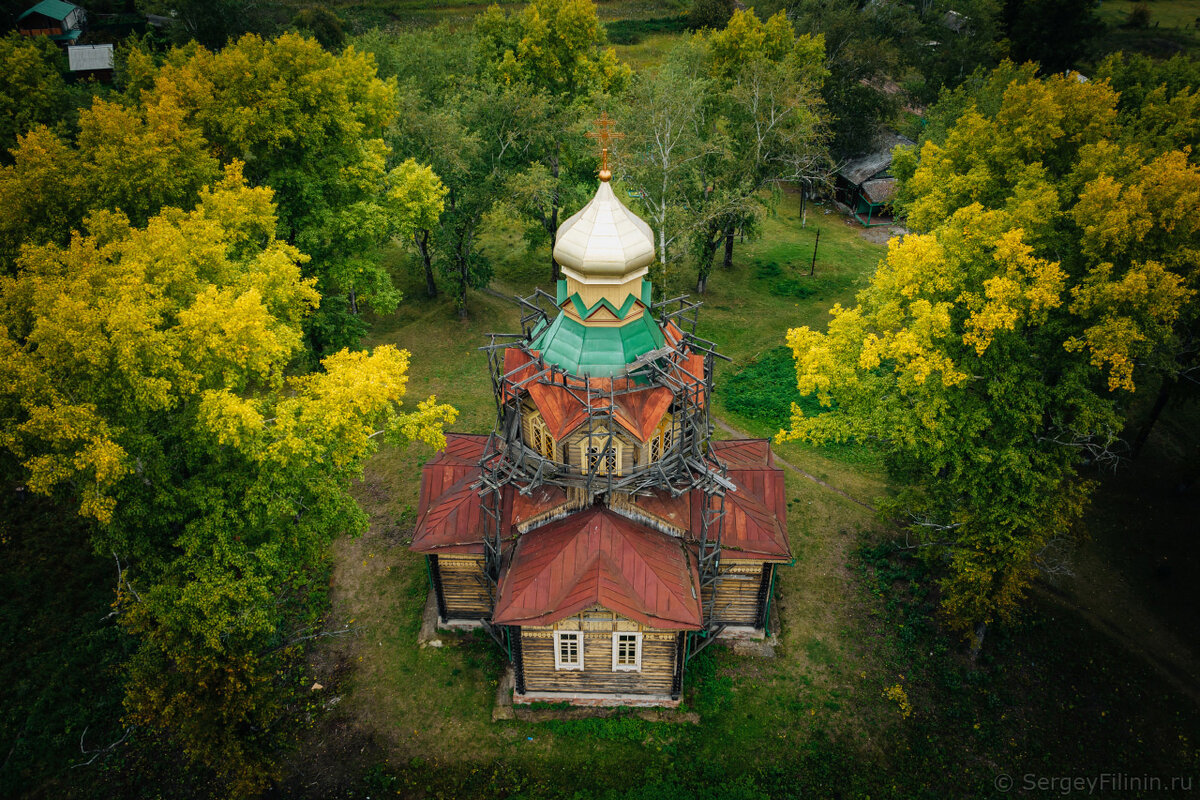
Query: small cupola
<point>604,244</point>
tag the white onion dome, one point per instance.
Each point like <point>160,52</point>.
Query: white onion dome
<point>604,242</point>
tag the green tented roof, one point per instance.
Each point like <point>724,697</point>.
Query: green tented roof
<point>595,351</point>
<point>54,9</point>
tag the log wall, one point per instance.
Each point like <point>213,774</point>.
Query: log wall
<point>660,650</point>
<point>464,593</point>
<point>740,597</point>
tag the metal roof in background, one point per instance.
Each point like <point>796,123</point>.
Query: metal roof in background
<point>86,57</point>
<point>54,9</point>
<point>865,167</point>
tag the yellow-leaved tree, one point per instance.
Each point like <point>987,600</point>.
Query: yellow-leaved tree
<point>143,381</point>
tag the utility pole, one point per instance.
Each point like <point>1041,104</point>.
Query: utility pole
<point>813,269</point>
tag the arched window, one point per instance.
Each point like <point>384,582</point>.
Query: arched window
<point>537,434</point>
<point>662,438</point>
<point>601,454</point>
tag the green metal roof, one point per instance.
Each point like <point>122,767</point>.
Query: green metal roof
<point>595,351</point>
<point>54,9</point>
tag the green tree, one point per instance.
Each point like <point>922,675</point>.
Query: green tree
<point>324,25</point>
<point>766,128</point>
<point>712,14</point>
<point>1054,33</point>
<point>32,90</point>
<point>129,159</point>
<point>503,123</point>
<point>212,23</point>
<point>861,55</point>
<point>997,349</point>
<point>310,125</point>
<point>143,385</point>
<point>555,47</point>
<point>665,119</point>
<point>418,197</point>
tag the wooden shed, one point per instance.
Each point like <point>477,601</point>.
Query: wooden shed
<point>61,21</point>
<point>866,185</point>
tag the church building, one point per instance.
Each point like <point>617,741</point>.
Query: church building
<point>599,533</point>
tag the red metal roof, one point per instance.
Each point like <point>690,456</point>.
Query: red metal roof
<point>743,453</point>
<point>640,412</point>
<point>540,501</point>
<point>449,513</point>
<point>597,556</point>
<point>461,448</point>
<point>755,524</point>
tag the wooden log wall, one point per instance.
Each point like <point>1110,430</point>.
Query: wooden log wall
<point>660,651</point>
<point>740,598</point>
<point>656,676</point>
<point>464,592</point>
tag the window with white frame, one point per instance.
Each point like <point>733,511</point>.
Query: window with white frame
<point>627,652</point>
<point>568,650</point>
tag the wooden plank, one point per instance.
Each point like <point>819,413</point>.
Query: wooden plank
<point>464,587</point>
<point>656,676</point>
<point>739,597</point>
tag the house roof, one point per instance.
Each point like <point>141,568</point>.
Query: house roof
<point>865,167</point>
<point>449,512</point>
<point>54,9</point>
<point>879,190</point>
<point>743,453</point>
<point>564,409</point>
<point>755,524</point>
<point>598,557</point>
<point>450,516</point>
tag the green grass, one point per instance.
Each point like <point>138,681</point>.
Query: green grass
<point>1175,14</point>
<point>363,15</point>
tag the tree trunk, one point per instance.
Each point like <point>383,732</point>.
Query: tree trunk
<point>728,263</point>
<point>708,251</point>
<point>353,301</point>
<point>1160,402</point>
<point>462,290</point>
<point>554,273</point>
<point>977,640</point>
<point>422,241</point>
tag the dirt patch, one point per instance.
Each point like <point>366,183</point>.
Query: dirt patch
<point>882,234</point>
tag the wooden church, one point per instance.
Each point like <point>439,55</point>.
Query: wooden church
<point>598,533</point>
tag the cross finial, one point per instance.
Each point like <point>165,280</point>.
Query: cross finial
<point>604,135</point>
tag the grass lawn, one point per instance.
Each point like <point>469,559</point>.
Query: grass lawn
<point>1178,14</point>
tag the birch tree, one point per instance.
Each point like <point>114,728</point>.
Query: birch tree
<point>665,120</point>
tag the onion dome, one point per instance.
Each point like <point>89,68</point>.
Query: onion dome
<point>604,243</point>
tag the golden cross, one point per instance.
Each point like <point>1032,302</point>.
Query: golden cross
<point>603,136</point>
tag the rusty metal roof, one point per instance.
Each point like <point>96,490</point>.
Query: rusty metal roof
<point>599,557</point>
<point>449,514</point>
